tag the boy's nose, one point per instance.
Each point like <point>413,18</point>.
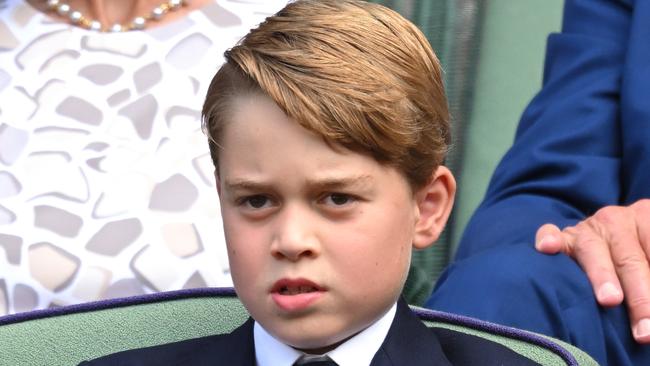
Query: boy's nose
<point>294,237</point>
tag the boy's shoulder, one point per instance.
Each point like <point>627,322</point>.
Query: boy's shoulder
<point>409,342</point>
<point>466,349</point>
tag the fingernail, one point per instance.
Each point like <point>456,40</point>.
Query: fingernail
<point>608,291</point>
<point>642,329</point>
<point>544,240</point>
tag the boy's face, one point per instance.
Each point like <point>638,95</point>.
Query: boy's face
<point>319,240</point>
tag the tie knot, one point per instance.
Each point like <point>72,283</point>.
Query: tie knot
<point>312,360</point>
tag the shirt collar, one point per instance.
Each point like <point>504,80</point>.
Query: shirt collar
<point>271,352</point>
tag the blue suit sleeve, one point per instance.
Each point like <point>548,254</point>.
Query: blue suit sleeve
<point>635,108</point>
<point>565,162</point>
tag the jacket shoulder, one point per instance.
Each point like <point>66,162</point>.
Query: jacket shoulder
<point>466,349</point>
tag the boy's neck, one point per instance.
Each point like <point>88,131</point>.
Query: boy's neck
<point>269,350</point>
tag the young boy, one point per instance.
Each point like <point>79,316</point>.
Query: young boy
<point>328,125</point>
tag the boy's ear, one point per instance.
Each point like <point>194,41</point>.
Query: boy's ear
<point>434,203</point>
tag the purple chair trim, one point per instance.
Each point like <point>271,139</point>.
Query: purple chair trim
<point>119,302</point>
<point>439,316</point>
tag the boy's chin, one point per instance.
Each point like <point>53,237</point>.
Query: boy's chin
<point>314,349</point>
<point>314,338</point>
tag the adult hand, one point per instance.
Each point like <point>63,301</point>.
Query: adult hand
<point>613,248</point>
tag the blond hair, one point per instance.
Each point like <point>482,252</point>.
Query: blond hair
<point>356,73</point>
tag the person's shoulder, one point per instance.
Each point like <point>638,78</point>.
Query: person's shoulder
<point>231,347</point>
<point>466,349</point>
<point>412,342</point>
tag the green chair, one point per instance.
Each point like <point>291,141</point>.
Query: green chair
<point>71,334</point>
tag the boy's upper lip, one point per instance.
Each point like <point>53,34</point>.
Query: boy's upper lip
<point>294,283</point>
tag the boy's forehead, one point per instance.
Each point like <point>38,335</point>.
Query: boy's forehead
<point>260,137</point>
<point>253,112</point>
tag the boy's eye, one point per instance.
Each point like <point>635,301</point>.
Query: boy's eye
<point>256,201</point>
<point>338,199</point>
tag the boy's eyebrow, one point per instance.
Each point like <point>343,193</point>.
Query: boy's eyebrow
<point>330,183</point>
<point>244,184</point>
<point>324,183</point>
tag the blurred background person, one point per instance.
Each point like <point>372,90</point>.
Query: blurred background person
<point>106,184</point>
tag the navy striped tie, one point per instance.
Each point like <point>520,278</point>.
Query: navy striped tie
<point>309,360</point>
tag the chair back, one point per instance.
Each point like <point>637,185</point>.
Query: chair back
<point>68,335</point>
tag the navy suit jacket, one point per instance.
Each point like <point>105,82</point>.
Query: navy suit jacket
<point>409,342</point>
<point>584,140</point>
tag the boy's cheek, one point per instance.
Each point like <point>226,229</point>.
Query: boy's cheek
<point>245,245</point>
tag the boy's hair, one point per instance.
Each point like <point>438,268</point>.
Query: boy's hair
<point>355,73</point>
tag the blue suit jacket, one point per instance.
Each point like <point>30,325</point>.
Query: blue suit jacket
<point>584,140</point>
<point>409,342</point>
<point>582,143</point>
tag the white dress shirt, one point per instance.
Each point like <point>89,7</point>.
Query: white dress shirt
<point>270,351</point>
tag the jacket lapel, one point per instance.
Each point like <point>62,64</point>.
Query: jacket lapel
<point>237,348</point>
<point>409,342</point>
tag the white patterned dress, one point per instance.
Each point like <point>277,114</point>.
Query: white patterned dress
<point>106,184</point>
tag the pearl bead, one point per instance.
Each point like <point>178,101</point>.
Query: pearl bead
<point>138,23</point>
<point>95,25</point>
<point>174,4</point>
<point>157,13</point>
<point>63,9</point>
<point>52,3</point>
<point>116,28</point>
<point>75,16</point>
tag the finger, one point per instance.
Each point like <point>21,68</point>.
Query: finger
<point>632,268</point>
<point>642,216</point>
<point>642,219</point>
<point>592,252</point>
<point>549,239</point>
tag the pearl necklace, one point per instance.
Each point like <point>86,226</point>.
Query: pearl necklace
<point>137,23</point>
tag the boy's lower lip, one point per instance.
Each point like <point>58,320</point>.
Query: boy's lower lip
<point>296,302</point>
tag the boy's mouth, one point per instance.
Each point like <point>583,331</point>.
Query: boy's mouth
<point>296,295</point>
<point>286,290</point>
<point>289,287</point>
